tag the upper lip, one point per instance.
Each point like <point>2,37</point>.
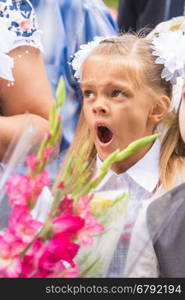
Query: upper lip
<point>102,123</point>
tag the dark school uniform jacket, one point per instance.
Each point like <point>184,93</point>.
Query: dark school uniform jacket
<point>136,14</point>
<point>166,224</point>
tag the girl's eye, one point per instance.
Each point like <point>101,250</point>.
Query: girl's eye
<point>88,94</point>
<point>118,94</point>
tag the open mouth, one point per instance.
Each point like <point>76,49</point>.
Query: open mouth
<point>104,134</point>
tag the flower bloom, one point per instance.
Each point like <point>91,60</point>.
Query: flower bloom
<point>30,261</point>
<point>83,206</point>
<point>39,182</point>
<point>32,162</point>
<point>47,153</point>
<point>58,249</point>
<point>66,205</point>
<point>10,263</point>
<point>68,224</point>
<point>18,189</point>
<point>22,225</point>
<point>10,267</point>
<point>22,188</point>
<point>92,226</point>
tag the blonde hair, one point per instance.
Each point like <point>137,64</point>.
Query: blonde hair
<point>135,53</point>
<point>172,154</point>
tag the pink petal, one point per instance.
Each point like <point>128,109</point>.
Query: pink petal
<point>69,224</point>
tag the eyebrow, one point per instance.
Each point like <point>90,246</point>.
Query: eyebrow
<point>87,83</point>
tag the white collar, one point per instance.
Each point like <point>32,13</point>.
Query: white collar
<point>145,172</point>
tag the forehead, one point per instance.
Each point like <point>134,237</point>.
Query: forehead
<point>108,68</point>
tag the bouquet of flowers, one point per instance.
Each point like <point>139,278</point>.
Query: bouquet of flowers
<point>51,231</point>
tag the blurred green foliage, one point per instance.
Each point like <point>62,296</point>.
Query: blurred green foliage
<point>112,3</point>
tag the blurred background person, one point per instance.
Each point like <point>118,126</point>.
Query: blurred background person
<point>25,93</point>
<point>136,14</point>
<point>24,87</point>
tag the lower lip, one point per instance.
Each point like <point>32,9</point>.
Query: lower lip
<point>105,145</point>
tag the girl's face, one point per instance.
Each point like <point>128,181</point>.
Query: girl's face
<point>116,112</point>
<point>182,116</point>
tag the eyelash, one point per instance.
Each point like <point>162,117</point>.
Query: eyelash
<point>87,93</point>
<point>115,93</point>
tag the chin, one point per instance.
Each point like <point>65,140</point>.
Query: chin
<point>103,155</point>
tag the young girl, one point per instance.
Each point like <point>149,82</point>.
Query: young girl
<point>89,19</point>
<point>125,98</point>
<point>157,245</point>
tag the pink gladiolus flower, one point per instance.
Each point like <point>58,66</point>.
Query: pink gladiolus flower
<point>71,272</point>
<point>66,206</point>
<point>57,249</point>
<point>10,248</point>
<point>30,261</point>
<point>60,185</point>
<point>91,227</point>
<point>40,182</point>
<point>21,188</point>
<point>32,162</point>
<point>18,189</point>
<point>10,245</point>
<point>83,205</point>
<point>22,224</point>
<point>48,135</point>
<point>65,272</point>
<point>68,224</point>
<point>10,267</point>
<point>47,153</point>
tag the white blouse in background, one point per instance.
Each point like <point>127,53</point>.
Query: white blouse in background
<point>141,260</point>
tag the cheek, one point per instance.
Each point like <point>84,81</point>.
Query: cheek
<point>135,118</point>
<point>182,120</point>
<point>85,111</point>
<point>87,115</point>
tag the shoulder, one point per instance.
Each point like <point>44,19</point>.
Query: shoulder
<point>18,23</point>
<point>161,210</point>
<point>154,212</point>
<point>168,199</point>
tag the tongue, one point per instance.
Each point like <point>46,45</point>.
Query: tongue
<point>104,134</point>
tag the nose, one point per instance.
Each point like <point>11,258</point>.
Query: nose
<point>100,107</point>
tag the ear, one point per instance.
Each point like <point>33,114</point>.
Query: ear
<point>159,109</point>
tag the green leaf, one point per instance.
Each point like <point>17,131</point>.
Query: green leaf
<point>95,265</point>
<point>117,156</point>
<point>41,149</point>
<point>136,145</point>
<point>56,131</point>
<point>61,92</point>
<point>52,117</point>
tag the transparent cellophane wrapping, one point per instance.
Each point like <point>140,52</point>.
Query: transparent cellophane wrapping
<point>14,161</point>
<point>110,208</point>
